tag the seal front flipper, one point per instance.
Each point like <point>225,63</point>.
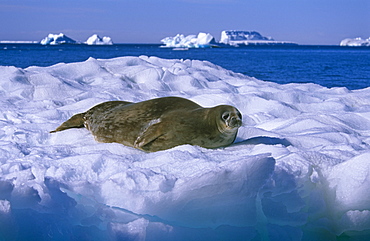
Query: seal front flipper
<point>76,121</point>
<point>149,134</point>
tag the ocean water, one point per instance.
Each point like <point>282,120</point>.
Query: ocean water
<point>330,66</point>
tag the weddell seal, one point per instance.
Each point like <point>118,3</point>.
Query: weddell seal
<point>159,124</point>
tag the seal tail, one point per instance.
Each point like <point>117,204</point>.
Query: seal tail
<point>76,121</point>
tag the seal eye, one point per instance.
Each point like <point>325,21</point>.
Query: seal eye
<point>225,116</point>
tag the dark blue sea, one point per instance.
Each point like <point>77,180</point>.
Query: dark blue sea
<point>330,66</point>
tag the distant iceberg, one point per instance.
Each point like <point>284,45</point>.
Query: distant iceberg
<point>228,36</point>
<point>18,42</point>
<point>96,40</point>
<point>355,42</point>
<point>202,40</point>
<point>56,39</point>
<point>237,38</point>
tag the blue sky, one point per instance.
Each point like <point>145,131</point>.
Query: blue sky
<point>148,21</point>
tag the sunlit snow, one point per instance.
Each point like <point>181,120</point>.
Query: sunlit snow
<point>300,167</point>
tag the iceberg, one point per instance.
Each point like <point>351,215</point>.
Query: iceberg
<point>18,42</point>
<point>56,39</point>
<point>202,40</point>
<point>356,42</point>
<point>228,36</point>
<point>298,170</point>
<point>96,40</point>
<point>236,38</point>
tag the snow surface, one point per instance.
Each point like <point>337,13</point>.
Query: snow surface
<point>202,40</point>
<point>237,37</point>
<point>355,42</point>
<point>96,40</point>
<point>299,170</point>
<point>55,39</point>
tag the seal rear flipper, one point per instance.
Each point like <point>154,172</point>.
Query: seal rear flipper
<point>76,121</point>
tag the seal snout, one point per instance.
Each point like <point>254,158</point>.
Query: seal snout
<point>234,122</point>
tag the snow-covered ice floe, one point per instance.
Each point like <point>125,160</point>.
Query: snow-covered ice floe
<point>355,42</point>
<point>97,40</point>
<point>299,169</point>
<point>202,40</point>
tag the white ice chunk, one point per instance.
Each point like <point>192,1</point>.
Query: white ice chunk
<point>55,39</point>
<point>202,40</point>
<point>4,207</point>
<point>355,42</point>
<point>237,37</point>
<point>96,40</point>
